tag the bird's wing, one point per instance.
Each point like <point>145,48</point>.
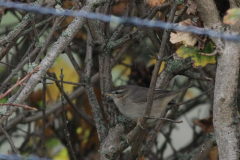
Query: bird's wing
<point>159,93</point>
<point>172,102</point>
<point>141,97</point>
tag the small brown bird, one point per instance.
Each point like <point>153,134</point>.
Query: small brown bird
<point>132,101</point>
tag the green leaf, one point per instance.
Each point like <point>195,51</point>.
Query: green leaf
<point>4,100</point>
<point>193,52</point>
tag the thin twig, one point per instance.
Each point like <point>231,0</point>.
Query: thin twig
<point>210,54</point>
<point>205,148</point>
<point>67,82</point>
<point>166,119</point>
<point>77,4</point>
<point>27,138</point>
<point>81,113</point>
<point>166,136</point>
<point>17,31</point>
<point>8,64</point>
<point>19,67</point>
<point>31,15</point>
<point>134,134</point>
<point>190,100</point>
<point>97,115</point>
<point>45,22</point>
<point>9,140</point>
<point>157,128</point>
<point>19,82</point>
<point>165,39</point>
<point>69,144</point>
<point>19,105</point>
<point>47,41</point>
<point>44,116</point>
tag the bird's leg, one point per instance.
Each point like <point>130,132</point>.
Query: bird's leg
<point>139,123</point>
<point>130,134</point>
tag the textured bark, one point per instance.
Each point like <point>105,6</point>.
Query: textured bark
<point>150,32</point>
<point>225,98</point>
<point>234,3</point>
<point>206,8</point>
<point>111,141</point>
<point>225,102</point>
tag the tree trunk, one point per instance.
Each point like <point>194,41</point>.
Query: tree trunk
<point>225,102</point>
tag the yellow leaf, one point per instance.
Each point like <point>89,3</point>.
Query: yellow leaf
<point>69,75</point>
<point>62,155</point>
<point>153,62</point>
<point>69,115</point>
<point>193,52</point>
<point>121,72</point>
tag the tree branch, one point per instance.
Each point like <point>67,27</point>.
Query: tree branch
<point>52,55</point>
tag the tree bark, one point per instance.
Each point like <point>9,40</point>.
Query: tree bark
<point>225,96</point>
<point>225,102</point>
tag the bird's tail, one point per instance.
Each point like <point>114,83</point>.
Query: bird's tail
<point>175,93</point>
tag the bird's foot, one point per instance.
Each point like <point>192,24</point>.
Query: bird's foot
<point>139,123</point>
<point>127,138</point>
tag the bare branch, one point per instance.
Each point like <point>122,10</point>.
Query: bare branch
<point>9,140</point>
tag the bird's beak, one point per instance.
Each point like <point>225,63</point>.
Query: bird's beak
<point>109,94</point>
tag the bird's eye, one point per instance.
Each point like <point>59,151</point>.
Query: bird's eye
<point>117,92</point>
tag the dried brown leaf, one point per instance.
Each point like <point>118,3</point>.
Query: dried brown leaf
<point>153,3</point>
<point>232,16</point>
<point>192,8</point>
<point>189,38</point>
<point>205,124</point>
<point>213,154</point>
<point>187,22</point>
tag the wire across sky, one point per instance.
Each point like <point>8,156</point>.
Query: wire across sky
<point>126,20</point>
